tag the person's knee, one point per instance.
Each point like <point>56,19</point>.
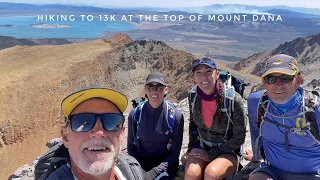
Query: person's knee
<point>212,172</point>
<point>260,176</point>
<point>193,171</point>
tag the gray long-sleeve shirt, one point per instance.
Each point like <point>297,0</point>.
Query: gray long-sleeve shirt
<point>153,140</point>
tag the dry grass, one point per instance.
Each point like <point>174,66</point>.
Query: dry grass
<point>21,61</point>
<point>34,80</point>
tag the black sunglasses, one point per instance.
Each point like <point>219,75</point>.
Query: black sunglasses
<point>84,122</point>
<point>273,79</point>
<point>202,60</point>
<point>158,87</point>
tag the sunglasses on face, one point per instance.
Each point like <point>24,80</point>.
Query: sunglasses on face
<point>202,60</point>
<point>158,87</point>
<point>84,122</point>
<point>273,79</point>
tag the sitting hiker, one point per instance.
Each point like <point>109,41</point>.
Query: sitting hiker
<point>93,133</point>
<point>217,125</point>
<point>155,130</point>
<point>284,124</point>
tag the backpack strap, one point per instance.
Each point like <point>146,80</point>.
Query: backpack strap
<point>136,118</point>
<point>204,143</point>
<point>228,104</point>
<point>261,108</point>
<point>263,105</point>
<point>170,118</point>
<point>310,104</point>
<point>63,172</point>
<point>130,167</point>
<point>192,97</point>
<point>229,94</point>
<point>55,157</point>
<point>289,130</point>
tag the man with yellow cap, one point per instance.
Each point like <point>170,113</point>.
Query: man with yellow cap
<point>93,133</point>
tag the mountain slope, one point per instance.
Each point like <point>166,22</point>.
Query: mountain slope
<point>34,80</point>
<point>305,49</point>
<point>7,42</point>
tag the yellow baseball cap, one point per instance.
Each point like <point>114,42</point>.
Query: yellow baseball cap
<point>73,100</point>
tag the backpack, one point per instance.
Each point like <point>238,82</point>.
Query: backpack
<point>310,102</point>
<point>58,155</point>
<point>51,160</point>
<point>238,83</point>
<point>170,119</point>
<point>134,103</point>
<point>228,105</point>
<point>256,88</point>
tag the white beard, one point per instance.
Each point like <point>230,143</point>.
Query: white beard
<point>102,164</point>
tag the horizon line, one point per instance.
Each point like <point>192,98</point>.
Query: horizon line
<point>116,6</point>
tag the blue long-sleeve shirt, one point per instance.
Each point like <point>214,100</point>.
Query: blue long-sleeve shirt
<point>304,152</point>
<point>153,140</point>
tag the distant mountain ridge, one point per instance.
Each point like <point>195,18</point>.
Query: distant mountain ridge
<point>12,8</point>
<point>305,49</point>
<point>7,41</point>
<point>264,8</point>
<point>291,13</point>
<point>7,8</point>
<point>233,8</point>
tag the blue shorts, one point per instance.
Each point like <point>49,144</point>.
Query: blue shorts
<point>277,174</point>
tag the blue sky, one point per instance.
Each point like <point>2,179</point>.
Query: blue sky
<point>176,3</point>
